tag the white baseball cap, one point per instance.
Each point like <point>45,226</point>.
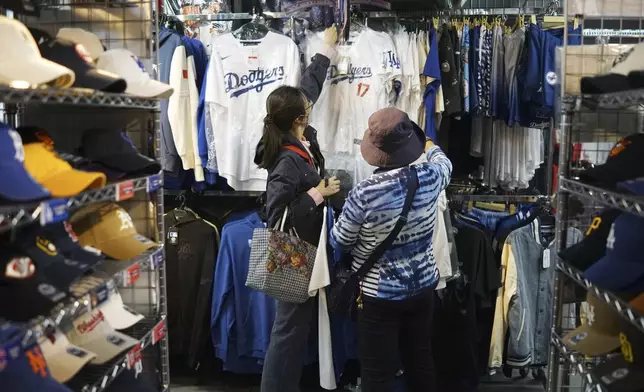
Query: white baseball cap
<point>93,333</point>
<point>89,40</point>
<point>117,314</point>
<point>63,358</point>
<point>125,64</point>
<point>21,64</point>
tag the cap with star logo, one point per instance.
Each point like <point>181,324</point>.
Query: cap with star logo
<point>622,164</point>
<point>110,229</point>
<point>599,335</point>
<point>125,64</point>
<point>625,372</point>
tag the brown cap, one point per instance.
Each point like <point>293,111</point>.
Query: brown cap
<point>600,334</point>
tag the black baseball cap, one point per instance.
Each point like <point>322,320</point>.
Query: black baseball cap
<point>65,239</point>
<point>77,58</point>
<point>623,163</point>
<point>116,151</point>
<point>592,248</point>
<point>25,291</point>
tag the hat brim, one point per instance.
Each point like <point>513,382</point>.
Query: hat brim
<point>117,315</point>
<point>605,84</point>
<point>62,363</point>
<point>98,79</point>
<point>636,187</point>
<point>149,88</point>
<point>105,349</point>
<point>29,292</point>
<point>124,248</point>
<point>131,163</point>
<point>584,254</point>
<point>587,341</point>
<point>617,275</point>
<point>631,375</point>
<point>405,155</point>
<point>36,72</point>
<point>19,185</point>
<point>72,182</point>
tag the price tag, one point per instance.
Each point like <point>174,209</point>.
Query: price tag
<point>134,356</point>
<point>546,258</point>
<point>124,190</point>
<point>154,183</point>
<point>133,273</point>
<point>156,259</point>
<point>53,211</point>
<point>101,294</point>
<point>159,332</point>
<point>253,58</point>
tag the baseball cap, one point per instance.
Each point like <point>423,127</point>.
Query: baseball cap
<point>599,335</point>
<point>64,359</point>
<point>24,368</point>
<point>56,175</point>
<point>110,229</point>
<point>117,152</point>
<point>585,253</point>
<point>621,269</point>
<point>22,65</point>
<point>89,40</point>
<point>125,64</point>
<point>66,241</point>
<point>119,315</point>
<point>22,7</point>
<point>22,278</point>
<point>17,184</point>
<point>635,187</point>
<point>623,163</point>
<point>625,373</point>
<point>75,57</point>
<point>93,333</point>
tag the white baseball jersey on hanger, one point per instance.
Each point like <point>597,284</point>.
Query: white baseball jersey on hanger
<point>358,83</point>
<point>240,78</point>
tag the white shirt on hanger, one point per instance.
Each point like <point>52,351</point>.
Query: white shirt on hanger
<point>240,78</point>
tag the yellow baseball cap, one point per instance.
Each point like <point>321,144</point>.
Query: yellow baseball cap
<point>110,229</point>
<point>56,175</point>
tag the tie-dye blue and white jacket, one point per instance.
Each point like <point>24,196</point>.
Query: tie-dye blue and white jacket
<point>369,215</point>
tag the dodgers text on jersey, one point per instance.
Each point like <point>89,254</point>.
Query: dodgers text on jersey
<point>255,79</point>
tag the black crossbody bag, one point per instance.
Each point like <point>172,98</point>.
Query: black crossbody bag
<point>344,295</point>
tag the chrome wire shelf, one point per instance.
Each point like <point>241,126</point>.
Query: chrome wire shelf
<point>78,97</point>
<point>627,203</point>
<point>575,360</point>
<point>148,332</point>
<point>88,289</point>
<point>613,101</point>
<point>47,211</point>
<point>619,305</point>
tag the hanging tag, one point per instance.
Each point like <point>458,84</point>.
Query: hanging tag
<point>546,258</point>
<point>124,190</point>
<point>253,58</point>
<point>134,272</point>
<point>343,65</point>
<point>156,259</point>
<point>173,236</point>
<point>154,182</point>
<point>52,211</point>
<point>134,356</point>
<point>138,369</point>
<point>159,332</point>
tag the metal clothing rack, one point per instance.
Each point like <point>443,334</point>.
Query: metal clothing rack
<point>141,281</point>
<point>580,123</point>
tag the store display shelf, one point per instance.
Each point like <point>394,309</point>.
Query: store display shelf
<point>576,360</point>
<point>96,378</point>
<point>87,291</point>
<point>627,203</point>
<point>75,96</point>
<point>613,101</point>
<point>57,210</point>
<point>620,306</point>
<point>178,193</point>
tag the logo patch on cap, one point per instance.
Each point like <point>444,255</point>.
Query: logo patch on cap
<point>20,268</point>
<point>627,348</point>
<point>578,338</point>
<point>619,147</point>
<point>115,340</point>
<point>84,54</point>
<point>70,231</point>
<point>590,314</point>
<point>77,352</point>
<point>594,225</point>
<point>37,362</point>
<point>126,220</point>
<point>88,326</point>
<point>46,246</point>
<point>610,241</point>
<point>50,292</point>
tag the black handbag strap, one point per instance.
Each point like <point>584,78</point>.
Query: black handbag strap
<point>412,185</point>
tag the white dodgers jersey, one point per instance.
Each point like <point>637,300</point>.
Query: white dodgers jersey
<point>358,83</point>
<point>240,78</point>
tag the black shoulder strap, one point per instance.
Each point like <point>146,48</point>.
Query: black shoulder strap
<point>412,185</point>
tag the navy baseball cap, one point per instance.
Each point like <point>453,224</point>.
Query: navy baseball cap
<point>65,239</point>
<point>117,152</point>
<point>24,368</point>
<point>22,282</point>
<point>16,184</point>
<point>635,187</point>
<point>622,267</point>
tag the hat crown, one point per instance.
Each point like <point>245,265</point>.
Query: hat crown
<point>624,238</point>
<point>389,128</point>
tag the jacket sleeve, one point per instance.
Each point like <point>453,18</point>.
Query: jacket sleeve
<point>315,74</point>
<point>346,231</point>
<point>282,190</point>
<point>437,159</point>
<point>180,114</point>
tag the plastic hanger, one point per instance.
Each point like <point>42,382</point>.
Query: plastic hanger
<point>255,30</point>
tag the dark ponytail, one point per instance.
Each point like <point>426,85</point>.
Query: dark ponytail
<point>283,106</point>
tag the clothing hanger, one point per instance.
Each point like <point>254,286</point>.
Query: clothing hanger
<point>253,31</point>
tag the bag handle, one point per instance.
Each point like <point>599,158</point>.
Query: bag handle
<point>283,221</point>
<point>412,186</point>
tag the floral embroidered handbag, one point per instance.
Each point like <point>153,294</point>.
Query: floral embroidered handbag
<point>280,264</point>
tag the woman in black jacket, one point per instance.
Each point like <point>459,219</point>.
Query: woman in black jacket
<point>290,152</point>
